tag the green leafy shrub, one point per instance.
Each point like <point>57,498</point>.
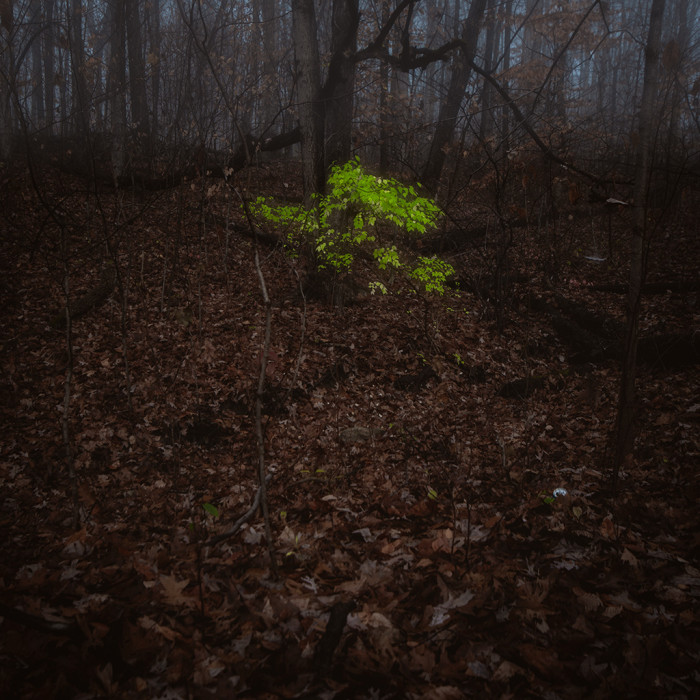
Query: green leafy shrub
<point>362,212</point>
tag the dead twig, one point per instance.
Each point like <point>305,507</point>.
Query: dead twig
<point>241,521</point>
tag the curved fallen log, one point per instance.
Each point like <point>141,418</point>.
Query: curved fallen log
<point>593,338</point>
<point>91,300</point>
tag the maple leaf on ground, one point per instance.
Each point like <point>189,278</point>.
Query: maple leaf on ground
<point>173,591</point>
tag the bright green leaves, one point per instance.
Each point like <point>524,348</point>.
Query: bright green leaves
<point>387,257</point>
<point>359,210</point>
<point>432,273</point>
<point>211,510</point>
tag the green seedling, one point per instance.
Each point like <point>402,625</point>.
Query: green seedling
<point>361,212</point>
<point>211,510</point>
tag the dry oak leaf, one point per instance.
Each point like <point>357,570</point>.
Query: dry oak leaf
<point>148,624</point>
<point>173,590</point>
<point>544,661</point>
<point>443,692</point>
<point>363,620</point>
<point>607,529</point>
<point>628,557</point>
<point>590,601</point>
<point>612,611</point>
<point>423,658</point>
<point>506,670</point>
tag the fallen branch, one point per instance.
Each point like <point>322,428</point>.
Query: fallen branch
<point>56,626</point>
<point>92,300</point>
<point>649,288</point>
<point>261,494</point>
<point>241,521</point>
<point>323,654</point>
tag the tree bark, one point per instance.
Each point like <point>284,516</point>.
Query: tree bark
<point>270,99</point>
<point>117,87</point>
<point>137,70</point>
<point>507,38</point>
<point>673,61</point>
<point>311,118</point>
<point>648,117</point>
<point>449,110</point>
<point>79,92</point>
<point>6,73</point>
<point>152,10</point>
<point>341,83</point>
<point>486,127</point>
<point>48,48</point>
<point>38,111</point>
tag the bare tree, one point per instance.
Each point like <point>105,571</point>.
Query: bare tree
<point>340,86</point>
<point>137,70</point>
<point>6,78</point>
<point>556,71</point>
<point>308,69</point>
<point>48,50</point>
<point>116,81</point>
<point>153,21</point>
<point>79,92</point>
<point>449,110</point>
<point>648,119</point>
<point>38,111</point>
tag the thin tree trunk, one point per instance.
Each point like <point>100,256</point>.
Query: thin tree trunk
<point>48,39</point>
<point>270,99</point>
<point>505,121</point>
<point>137,70</point>
<point>384,118</point>
<point>673,61</point>
<point>79,92</point>
<point>153,12</point>
<point>490,50</point>
<point>38,111</point>
<point>648,117</point>
<point>6,73</point>
<point>449,110</point>
<point>117,86</point>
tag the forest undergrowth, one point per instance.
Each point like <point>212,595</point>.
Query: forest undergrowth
<point>436,537</point>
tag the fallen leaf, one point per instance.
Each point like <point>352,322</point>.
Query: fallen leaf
<point>173,590</point>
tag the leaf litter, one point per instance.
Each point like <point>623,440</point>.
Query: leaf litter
<point>427,507</point>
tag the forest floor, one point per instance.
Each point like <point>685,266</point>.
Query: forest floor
<point>411,504</point>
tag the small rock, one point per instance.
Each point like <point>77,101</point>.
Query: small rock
<point>359,433</point>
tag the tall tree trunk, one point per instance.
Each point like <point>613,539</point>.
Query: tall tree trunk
<point>64,63</point>
<point>507,38</point>
<point>38,110</point>
<point>6,73</point>
<point>270,97</point>
<point>490,52</point>
<point>137,70</point>
<point>398,107</point>
<point>117,88</point>
<point>80,108</point>
<point>341,82</point>
<point>153,12</point>
<point>48,39</point>
<point>449,109</point>
<point>673,61</point>
<point>648,119</point>
<point>386,105</point>
<point>308,70</point>
<point>384,118</point>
